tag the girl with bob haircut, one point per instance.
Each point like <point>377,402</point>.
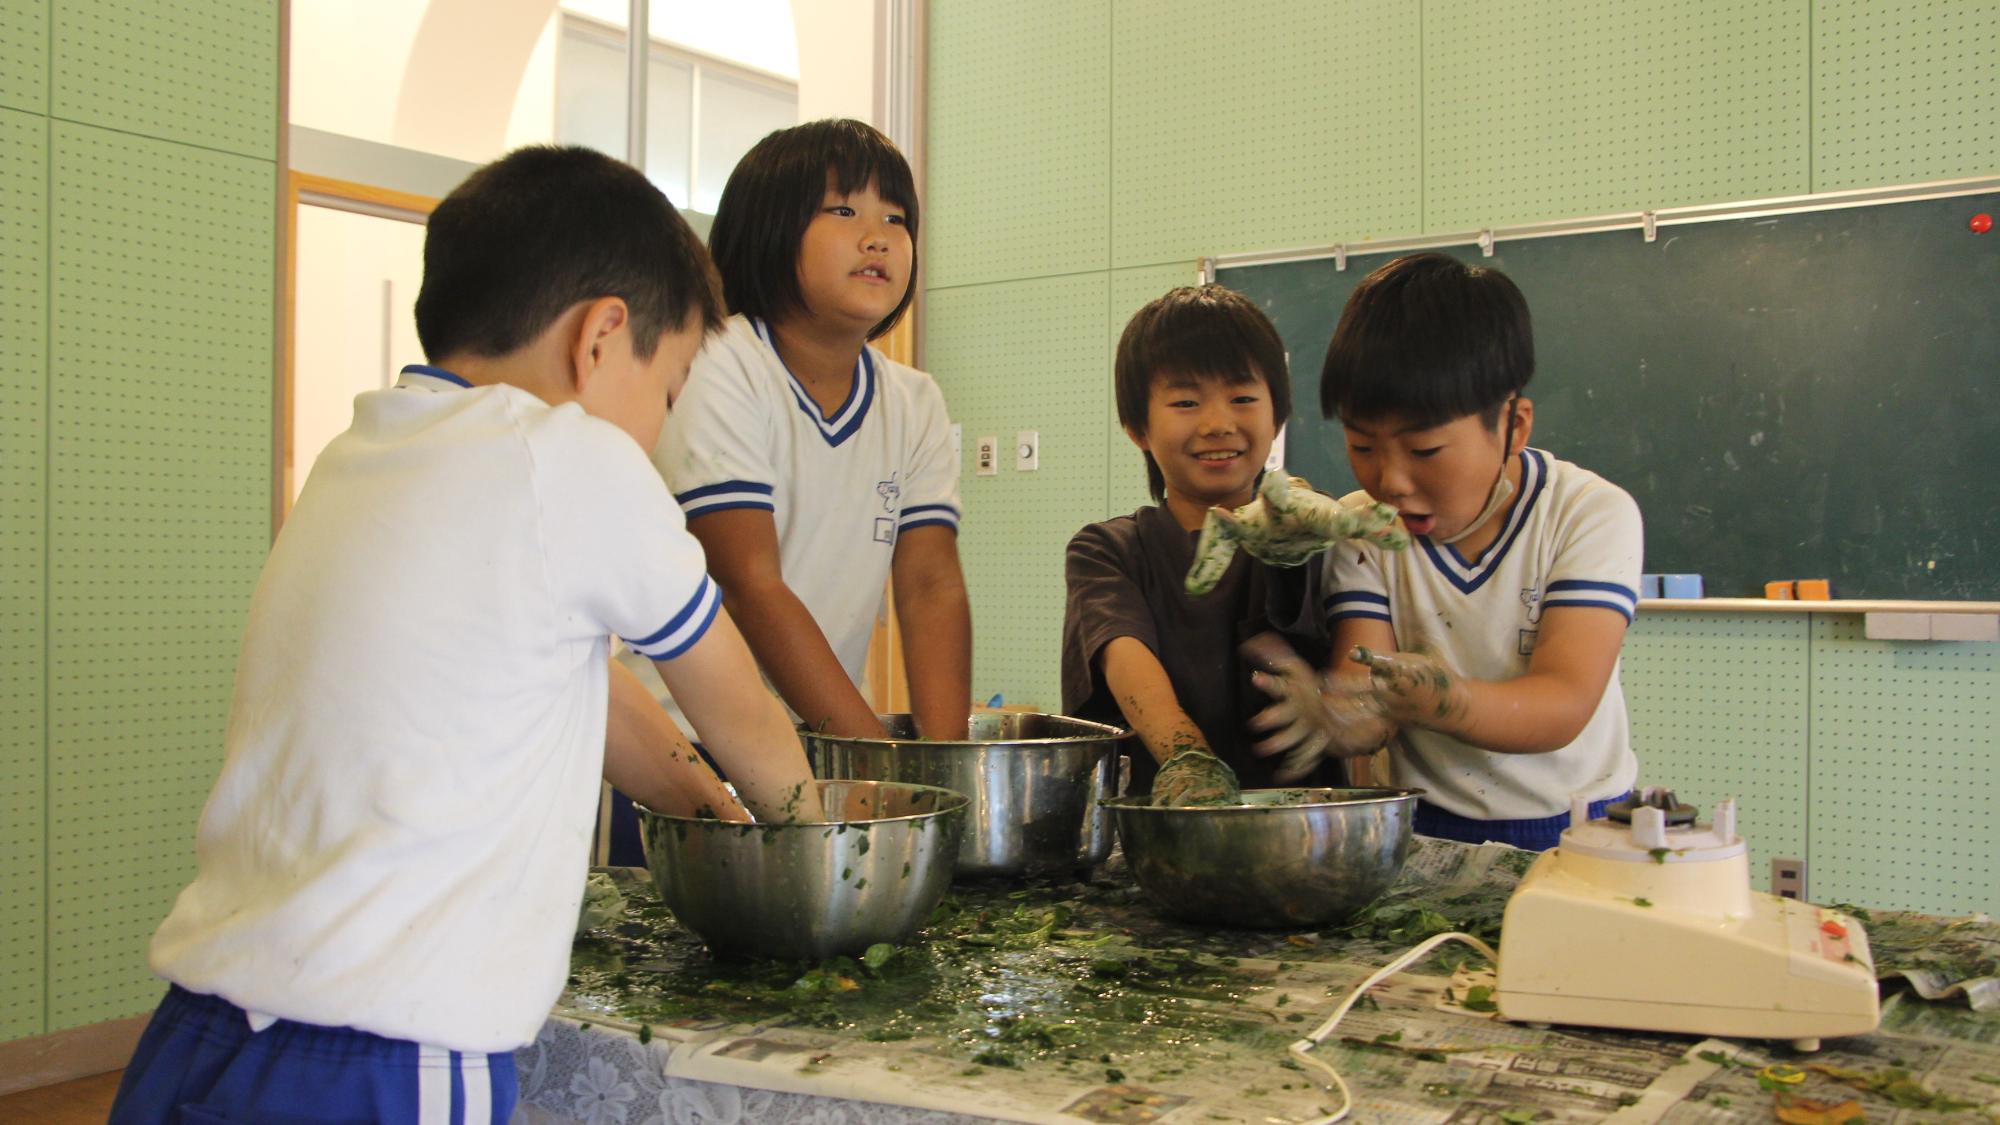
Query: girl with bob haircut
<point>812,467</point>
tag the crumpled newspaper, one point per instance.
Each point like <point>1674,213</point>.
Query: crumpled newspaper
<point>602,901</point>
<point>1286,524</point>
<point>1195,777</point>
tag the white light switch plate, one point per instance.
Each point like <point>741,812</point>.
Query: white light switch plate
<point>1028,451</point>
<point>986,456</point>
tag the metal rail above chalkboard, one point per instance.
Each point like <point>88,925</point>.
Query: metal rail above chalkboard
<point>1646,222</point>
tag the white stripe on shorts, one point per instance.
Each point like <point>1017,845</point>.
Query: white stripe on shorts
<point>433,1085</point>
<point>478,1081</point>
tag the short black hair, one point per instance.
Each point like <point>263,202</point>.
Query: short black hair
<point>1204,332</point>
<point>772,196</point>
<point>1429,339</point>
<point>544,227</point>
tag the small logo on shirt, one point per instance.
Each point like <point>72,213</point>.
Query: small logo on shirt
<point>890,492</point>
<point>1531,599</point>
<point>1527,642</point>
<point>885,529</point>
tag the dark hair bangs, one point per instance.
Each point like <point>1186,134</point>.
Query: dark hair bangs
<point>772,196</point>
<point>1428,339</point>
<point>1202,333</point>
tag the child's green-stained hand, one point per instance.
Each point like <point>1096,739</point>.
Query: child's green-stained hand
<point>1286,524</point>
<point>1195,777</point>
<point>1312,716</point>
<point>1415,686</point>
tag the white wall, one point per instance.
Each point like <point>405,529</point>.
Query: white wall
<point>838,58</point>
<point>355,325</point>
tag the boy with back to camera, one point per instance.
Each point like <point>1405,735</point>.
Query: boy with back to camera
<point>1201,388</point>
<point>1488,651</point>
<point>391,863</point>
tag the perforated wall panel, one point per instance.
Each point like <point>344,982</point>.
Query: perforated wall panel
<point>1904,91</point>
<point>23,540</point>
<point>1544,111</point>
<point>160,374</point>
<point>1905,771</point>
<point>1025,355</point>
<point>1019,136</point>
<point>1278,124</point>
<point>1718,703</point>
<point>203,72</point>
<point>24,55</point>
<point>1125,466</point>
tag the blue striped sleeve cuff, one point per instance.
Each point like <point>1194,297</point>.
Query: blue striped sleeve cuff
<point>1357,603</point>
<point>1620,599</point>
<point>728,494</point>
<point>686,627</point>
<point>926,515</point>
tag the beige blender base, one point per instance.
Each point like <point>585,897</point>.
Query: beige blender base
<point>1654,928</point>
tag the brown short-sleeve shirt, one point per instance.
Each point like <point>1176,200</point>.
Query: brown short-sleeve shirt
<point>1125,579</point>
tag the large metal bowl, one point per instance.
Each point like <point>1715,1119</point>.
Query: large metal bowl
<point>1035,782</point>
<point>808,891</point>
<point>1282,858</point>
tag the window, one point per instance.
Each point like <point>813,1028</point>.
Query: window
<point>702,113</point>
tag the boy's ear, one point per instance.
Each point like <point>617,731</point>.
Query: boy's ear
<point>597,330</point>
<point>1524,424</point>
<point>1138,439</point>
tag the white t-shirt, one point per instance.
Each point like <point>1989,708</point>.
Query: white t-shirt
<point>746,434</point>
<point>1572,539</point>
<point>398,837</point>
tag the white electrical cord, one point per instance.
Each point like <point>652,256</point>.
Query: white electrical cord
<point>1302,1050</point>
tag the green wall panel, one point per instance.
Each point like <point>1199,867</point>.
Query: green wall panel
<point>1905,771</point>
<point>24,55</point>
<point>1904,91</point>
<point>160,382</point>
<point>1282,124</point>
<point>203,72</point>
<point>1125,467</point>
<point>24,321</point>
<point>1024,355</point>
<point>1019,140</point>
<point>1719,705</point>
<point>1544,111</point>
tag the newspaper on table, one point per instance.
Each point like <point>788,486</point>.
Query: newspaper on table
<point>1073,1001</point>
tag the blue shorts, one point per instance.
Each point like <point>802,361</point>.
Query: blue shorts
<point>199,1063</point>
<point>1532,835</point>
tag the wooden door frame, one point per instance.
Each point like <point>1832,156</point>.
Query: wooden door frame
<point>308,189</point>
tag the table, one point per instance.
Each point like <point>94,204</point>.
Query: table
<point>1070,1000</point>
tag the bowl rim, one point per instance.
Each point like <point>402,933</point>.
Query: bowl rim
<point>1376,795</point>
<point>1104,733</point>
<point>954,802</point>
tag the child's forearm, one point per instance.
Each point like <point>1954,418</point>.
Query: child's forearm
<point>1145,696</point>
<point>935,617</point>
<point>651,761</point>
<point>794,653</point>
<point>1533,714</point>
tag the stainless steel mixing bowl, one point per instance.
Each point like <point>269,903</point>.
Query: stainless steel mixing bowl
<point>809,891</point>
<point>1035,781</point>
<point>1284,857</point>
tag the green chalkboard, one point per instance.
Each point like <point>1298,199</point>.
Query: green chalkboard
<point>1813,395</point>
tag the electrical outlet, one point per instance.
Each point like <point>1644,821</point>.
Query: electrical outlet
<point>1788,878</point>
<point>986,454</point>
<point>1027,451</point>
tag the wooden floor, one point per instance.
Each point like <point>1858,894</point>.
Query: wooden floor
<point>86,1101</point>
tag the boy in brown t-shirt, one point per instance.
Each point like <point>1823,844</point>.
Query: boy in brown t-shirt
<point>1202,389</point>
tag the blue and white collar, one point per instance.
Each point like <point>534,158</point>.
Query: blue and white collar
<point>837,427</point>
<point>424,377</point>
<point>1469,575</point>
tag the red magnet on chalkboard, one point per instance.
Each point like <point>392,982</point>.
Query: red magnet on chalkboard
<point>1981,223</point>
